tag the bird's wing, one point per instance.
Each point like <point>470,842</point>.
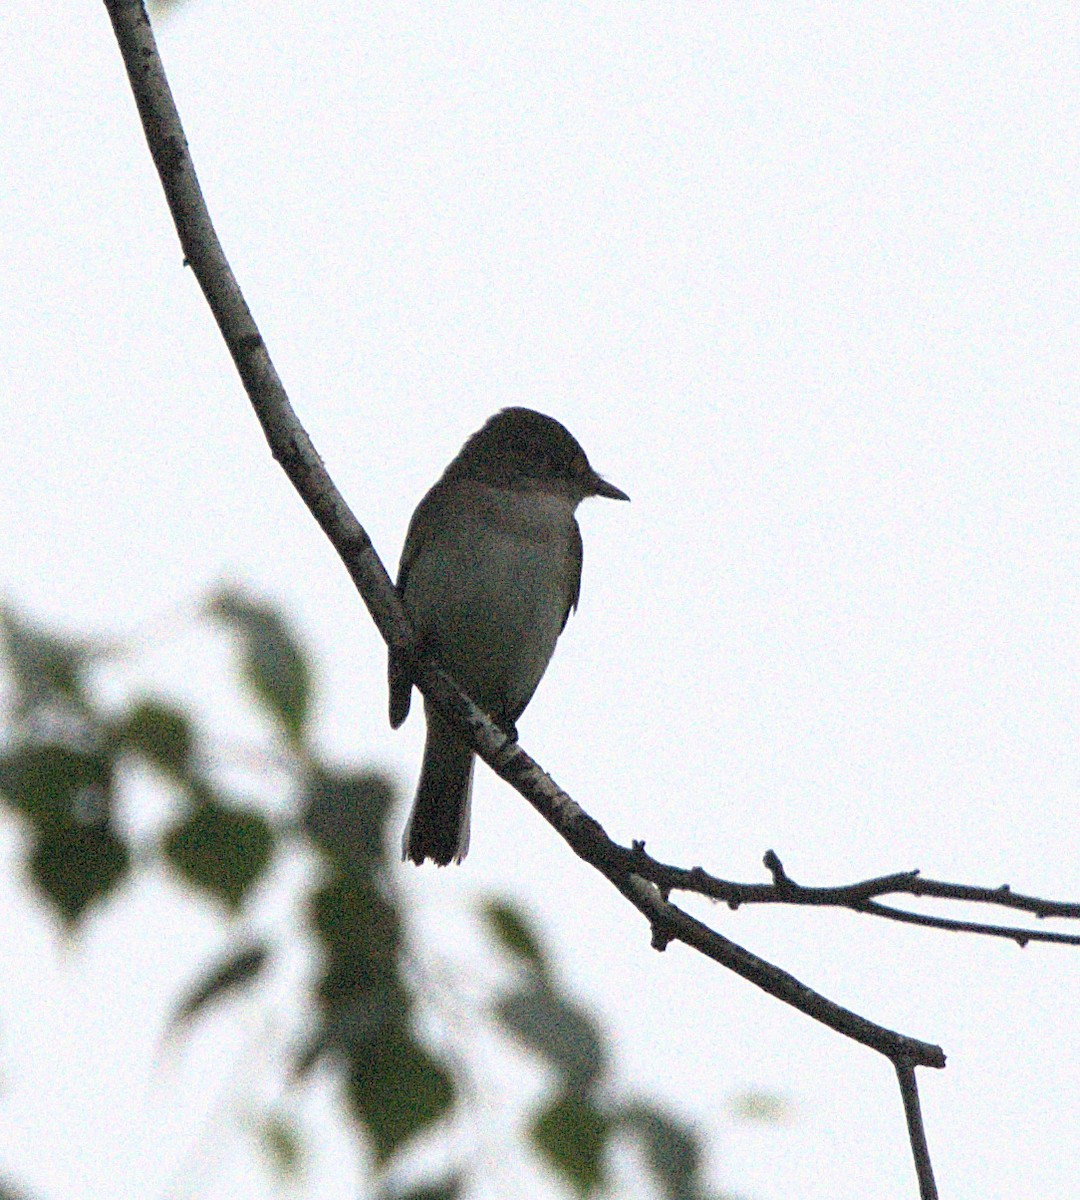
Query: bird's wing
<point>574,557</point>
<point>398,673</point>
<point>400,681</point>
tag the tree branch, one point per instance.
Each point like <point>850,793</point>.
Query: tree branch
<point>289,442</point>
<point>643,881</point>
<point>909,1092</point>
<point>862,897</point>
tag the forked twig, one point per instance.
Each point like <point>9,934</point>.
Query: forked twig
<point>863,897</point>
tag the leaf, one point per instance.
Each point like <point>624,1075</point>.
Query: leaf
<point>44,667</point>
<point>52,784</point>
<point>447,1189</point>
<point>351,1019</point>
<point>161,733</point>
<point>397,1090</point>
<point>558,1031</point>
<point>280,1141</point>
<point>360,991</point>
<point>72,865</point>
<point>221,849</point>
<point>672,1150</point>
<point>512,930</point>
<point>357,924</point>
<point>572,1134</point>
<point>274,667</point>
<point>765,1108</point>
<point>345,815</point>
<point>239,970</point>
<point>163,8</point>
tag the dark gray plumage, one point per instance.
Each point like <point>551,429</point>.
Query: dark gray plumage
<point>490,570</point>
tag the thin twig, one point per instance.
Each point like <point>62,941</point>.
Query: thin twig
<point>1013,932</point>
<point>671,923</point>
<point>861,897</point>
<point>909,1091</point>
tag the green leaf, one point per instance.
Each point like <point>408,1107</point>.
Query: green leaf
<point>238,970</point>
<point>672,1150</point>
<point>447,1189</point>
<point>571,1133</point>
<point>72,865</point>
<point>557,1030</point>
<point>360,991</point>
<point>397,1090</point>
<point>513,931</point>
<point>221,849</point>
<point>355,922</point>
<point>160,733</point>
<point>45,668</point>
<point>346,814</point>
<point>351,1019</point>
<point>764,1108</point>
<point>274,667</point>
<point>280,1141</point>
<point>163,8</point>
<point>52,784</point>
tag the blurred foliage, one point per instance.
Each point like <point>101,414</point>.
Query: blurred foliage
<point>159,9</point>
<point>761,1108</point>
<point>272,664</point>
<point>161,734</point>
<point>281,1142</point>
<point>239,969</point>
<point>220,848</point>
<point>61,754</point>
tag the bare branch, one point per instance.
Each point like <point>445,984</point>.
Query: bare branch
<point>909,1091</point>
<point>643,881</point>
<point>862,897</point>
<point>294,450</point>
<point>1014,933</point>
<point>670,922</point>
<point>288,439</point>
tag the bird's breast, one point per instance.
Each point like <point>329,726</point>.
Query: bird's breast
<point>491,584</point>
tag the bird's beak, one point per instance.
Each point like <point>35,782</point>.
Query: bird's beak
<point>609,491</point>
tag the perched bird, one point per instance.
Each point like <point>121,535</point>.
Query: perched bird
<point>489,573</point>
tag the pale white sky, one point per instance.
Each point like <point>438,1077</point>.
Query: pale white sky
<point>802,279</point>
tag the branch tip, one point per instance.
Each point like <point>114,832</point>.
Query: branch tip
<point>661,938</point>
<point>775,867</point>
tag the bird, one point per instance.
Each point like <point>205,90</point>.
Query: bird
<point>489,573</point>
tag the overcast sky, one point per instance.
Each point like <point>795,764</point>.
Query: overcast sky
<point>803,280</point>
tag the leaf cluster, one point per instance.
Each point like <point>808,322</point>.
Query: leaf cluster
<point>62,754</point>
<point>575,1128</point>
<point>62,759</point>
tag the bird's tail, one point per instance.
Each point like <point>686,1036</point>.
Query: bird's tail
<point>438,826</point>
